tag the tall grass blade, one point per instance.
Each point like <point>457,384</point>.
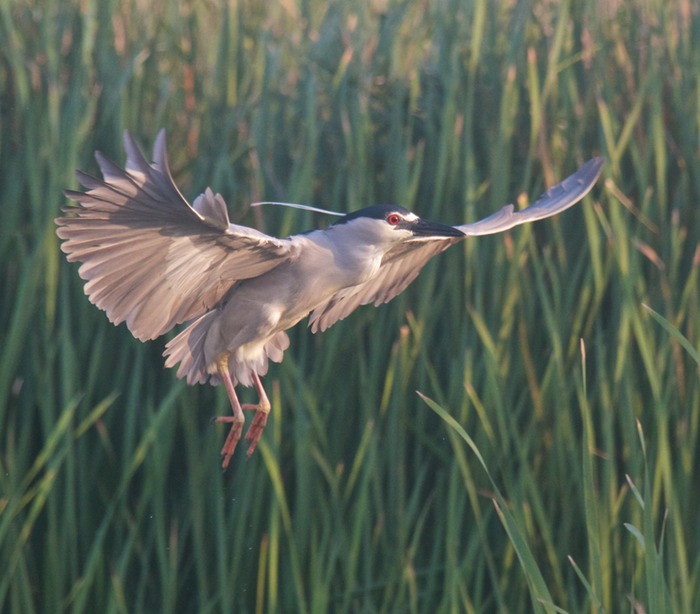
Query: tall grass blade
<point>540,593</point>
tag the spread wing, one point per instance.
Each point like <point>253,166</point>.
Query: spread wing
<point>401,265</point>
<point>555,200</point>
<point>150,258</point>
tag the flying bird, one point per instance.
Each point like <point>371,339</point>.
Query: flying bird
<point>153,260</point>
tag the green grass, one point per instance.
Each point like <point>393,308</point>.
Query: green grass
<point>551,466</point>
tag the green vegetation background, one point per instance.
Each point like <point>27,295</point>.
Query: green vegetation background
<point>579,492</point>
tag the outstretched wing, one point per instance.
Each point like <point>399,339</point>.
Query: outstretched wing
<point>555,200</point>
<point>401,265</point>
<point>149,257</point>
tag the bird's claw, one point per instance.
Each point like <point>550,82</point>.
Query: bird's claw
<point>231,441</point>
<point>255,430</point>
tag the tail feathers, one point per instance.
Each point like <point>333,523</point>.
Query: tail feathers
<point>276,346</point>
<point>188,350</point>
<point>242,370</point>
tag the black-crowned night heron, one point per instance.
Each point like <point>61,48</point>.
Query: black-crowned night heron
<point>152,260</point>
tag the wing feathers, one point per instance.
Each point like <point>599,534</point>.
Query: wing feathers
<point>149,257</point>
<point>399,268</point>
<point>556,199</point>
<point>212,207</point>
<point>401,265</point>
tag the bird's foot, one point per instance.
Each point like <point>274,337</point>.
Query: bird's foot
<point>257,426</point>
<point>231,439</point>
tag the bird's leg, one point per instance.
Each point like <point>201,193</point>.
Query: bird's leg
<point>238,419</point>
<point>262,410</point>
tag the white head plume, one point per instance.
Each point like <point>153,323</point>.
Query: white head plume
<point>298,206</point>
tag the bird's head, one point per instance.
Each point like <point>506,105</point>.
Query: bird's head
<point>386,225</point>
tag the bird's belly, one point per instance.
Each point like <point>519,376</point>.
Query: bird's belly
<point>257,311</point>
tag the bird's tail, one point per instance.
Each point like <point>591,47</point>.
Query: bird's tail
<point>188,350</point>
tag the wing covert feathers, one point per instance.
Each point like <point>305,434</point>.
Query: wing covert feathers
<point>150,258</point>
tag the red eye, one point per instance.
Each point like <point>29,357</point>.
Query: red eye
<point>393,219</point>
